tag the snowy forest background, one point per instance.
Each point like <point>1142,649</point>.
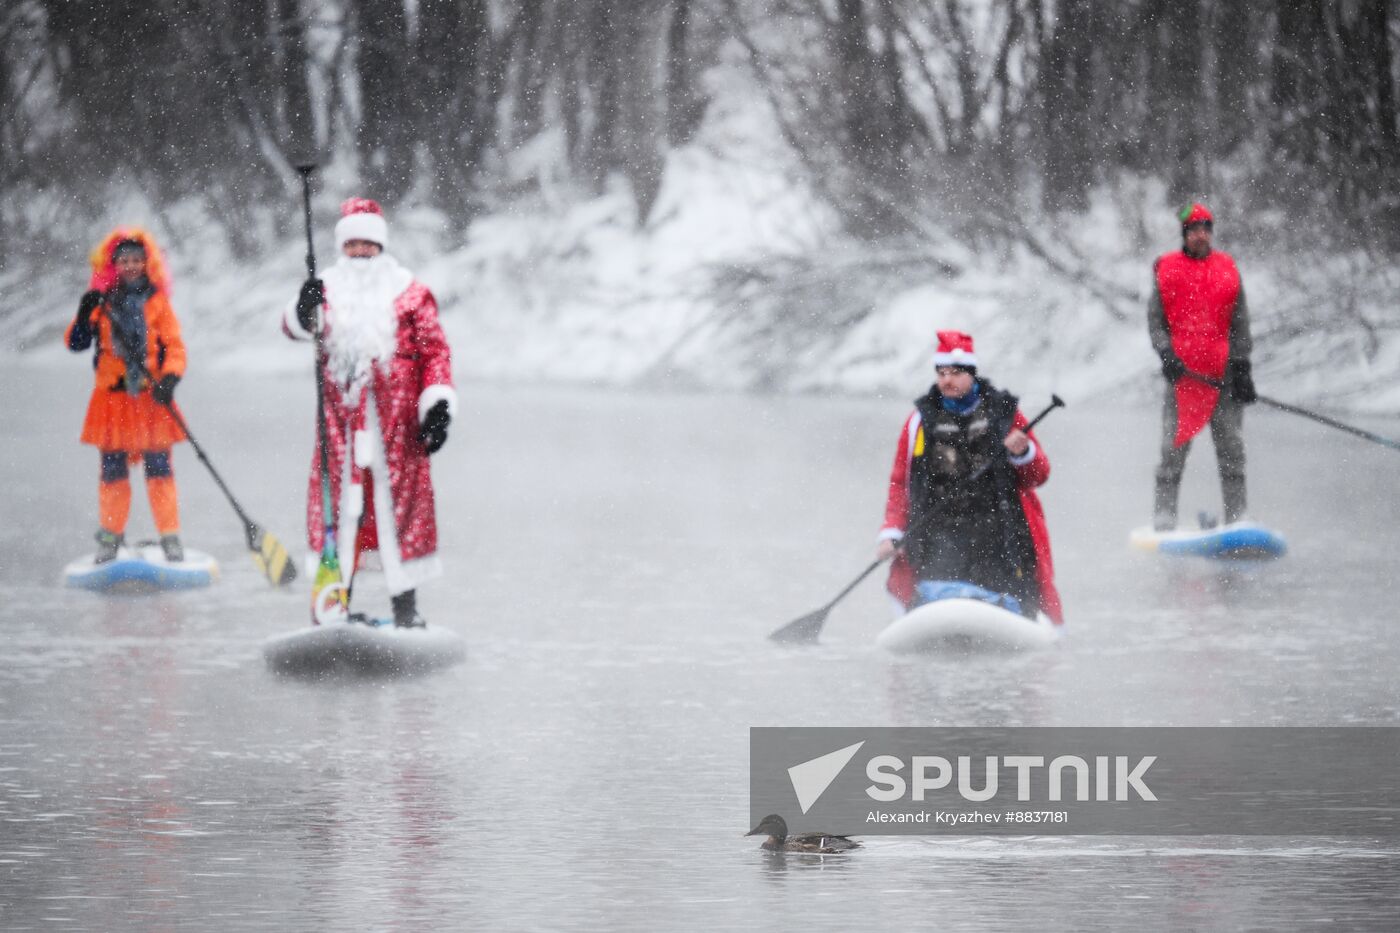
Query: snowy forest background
<point>785,194</point>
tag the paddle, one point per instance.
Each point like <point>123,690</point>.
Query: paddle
<point>806,629</point>
<point>329,595</point>
<point>1311,415</point>
<point>268,553</point>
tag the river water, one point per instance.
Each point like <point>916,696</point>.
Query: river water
<point>615,564</point>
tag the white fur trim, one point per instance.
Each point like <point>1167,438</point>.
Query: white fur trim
<point>400,575</point>
<point>1025,458</point>
<point>957,357</point>
<point>364,449</point>
<point>890,534</point>
<point>916,421</point>
<point>413,573</point>
<point>352,505</point>
<point>292,325</point>
<point>362,226</point>
<point>434,394</point>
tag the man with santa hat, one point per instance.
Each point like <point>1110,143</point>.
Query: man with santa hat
<point>388,400</point>
<point>955,535</point>
<point>1199,325</point>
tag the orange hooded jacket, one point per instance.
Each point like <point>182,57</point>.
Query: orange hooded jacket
<point>117,420</point>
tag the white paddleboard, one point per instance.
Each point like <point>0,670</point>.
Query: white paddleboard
<point>363,649</point>
<point>965,626</point>
<point>142,568</point>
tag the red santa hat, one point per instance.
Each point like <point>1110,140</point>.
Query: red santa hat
<point>361,219</point>
<point>1195,214</point>
<point>954,349</point>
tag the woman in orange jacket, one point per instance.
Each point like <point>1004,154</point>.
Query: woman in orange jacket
<point>138,358</point>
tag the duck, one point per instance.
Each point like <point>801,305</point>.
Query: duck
<point>775,828</point>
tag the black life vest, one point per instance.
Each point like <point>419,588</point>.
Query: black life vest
<point>973,531</point>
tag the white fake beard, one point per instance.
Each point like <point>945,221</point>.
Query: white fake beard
<point>363,324</point>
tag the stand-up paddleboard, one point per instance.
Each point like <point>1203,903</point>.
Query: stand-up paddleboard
<point>371,648</point>
<point>1240,541</point>
<point>965,626</point>
<point>142,567</point>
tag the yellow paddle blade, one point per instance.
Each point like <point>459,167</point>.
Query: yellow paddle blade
<point>273,560</point>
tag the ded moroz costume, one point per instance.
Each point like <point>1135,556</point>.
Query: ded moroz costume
<point>388,402</point>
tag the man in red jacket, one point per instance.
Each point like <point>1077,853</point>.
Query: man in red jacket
<point>953,530</point>
<point>1199,325</point>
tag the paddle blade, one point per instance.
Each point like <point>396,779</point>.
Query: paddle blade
<point>271,557</point>
<point>329,600</point>
<point>802,631</point>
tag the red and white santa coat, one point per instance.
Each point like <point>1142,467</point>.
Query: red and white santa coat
<point>1032,470</point>
<point>399,377</point>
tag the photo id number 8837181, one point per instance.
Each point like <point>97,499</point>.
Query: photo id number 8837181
<point>1036,816</point>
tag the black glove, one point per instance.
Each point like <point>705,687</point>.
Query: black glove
<point>87,305</point>
<point>1240,381</point>
<point>164,390</point>
<point>433,432</point>
<point>1172,367</point>
<point>313,295</point>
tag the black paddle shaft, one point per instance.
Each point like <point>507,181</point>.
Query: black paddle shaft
<point>323,443</point>
<point>1303,412</point>
<point>323,435</point>
<point>808,627</point>
<point>250,527</point>
<point>305,172</point>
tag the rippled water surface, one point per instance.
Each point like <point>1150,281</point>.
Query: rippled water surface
<point>615,563</point>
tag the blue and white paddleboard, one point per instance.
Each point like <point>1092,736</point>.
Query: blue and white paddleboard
<point>142,568</point>
<point>374,648</point>
<point>965,626</point>
<point>1240,541</point>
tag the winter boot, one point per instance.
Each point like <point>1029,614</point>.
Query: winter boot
<point>406,611</point>
<point>1164,506</point>
<point>107,545</point>
<point>174,550</point>
<point>1233,491</point>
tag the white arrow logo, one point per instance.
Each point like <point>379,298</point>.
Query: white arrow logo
<point>811,778</point>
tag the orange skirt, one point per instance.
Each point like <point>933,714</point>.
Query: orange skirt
<point>117,421</point>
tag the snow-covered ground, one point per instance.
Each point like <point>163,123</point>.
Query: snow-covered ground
<point>742,279</point>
